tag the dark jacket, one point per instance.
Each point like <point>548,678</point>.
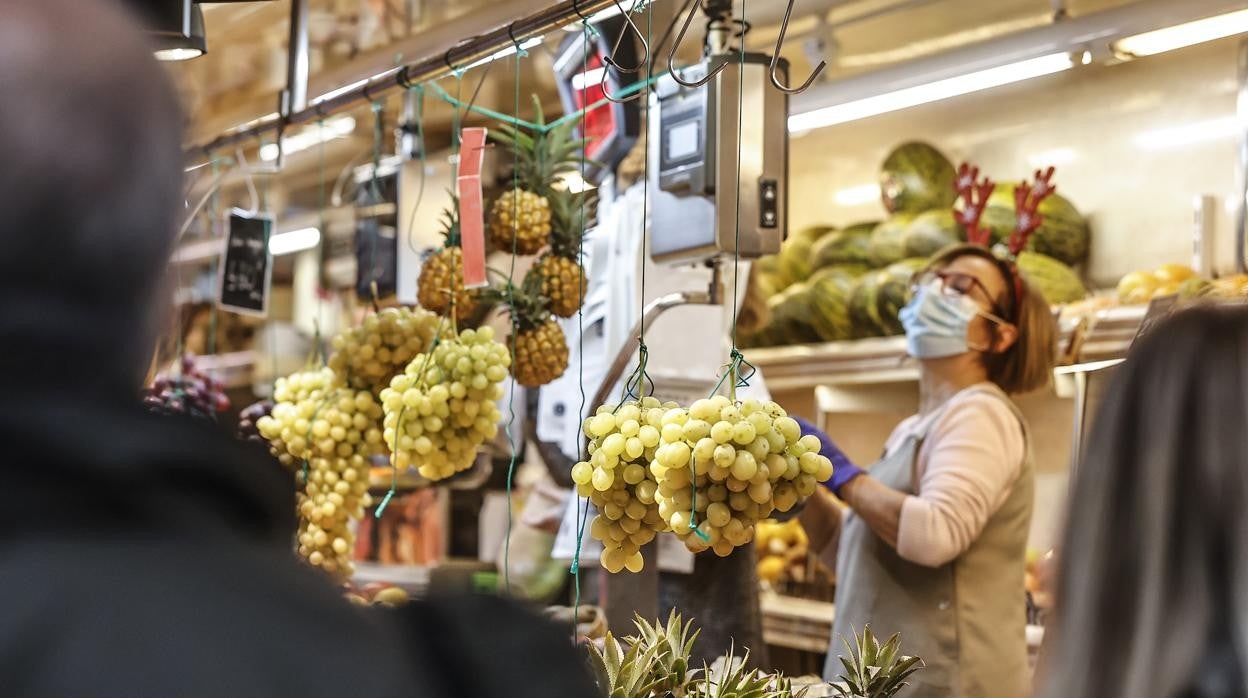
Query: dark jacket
<point>150,556</point>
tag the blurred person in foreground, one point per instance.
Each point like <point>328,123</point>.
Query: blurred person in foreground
<point>141,555</point>
<point>1152,597</point>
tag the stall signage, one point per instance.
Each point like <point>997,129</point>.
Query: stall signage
<point>471,208</point>
<point>247,268</point>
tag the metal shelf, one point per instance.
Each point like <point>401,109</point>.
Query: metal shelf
<point>1105,336</point>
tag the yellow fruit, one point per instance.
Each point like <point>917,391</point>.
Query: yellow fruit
<point>440,276</point>
<point>1173,274</point>
<point>771,568</point>
<point>563,282</point>
<point>541,355</point>
<point>520,222</point>
<point>1136,287</point>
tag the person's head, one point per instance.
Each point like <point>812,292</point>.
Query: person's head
<point>90,179</point>
<point>1009,329</point>
<point>1153,591</point>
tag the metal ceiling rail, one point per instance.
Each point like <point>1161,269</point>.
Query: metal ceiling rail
<point>428,68</point>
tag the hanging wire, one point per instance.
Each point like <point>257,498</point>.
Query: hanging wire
<point>582,509</point>
<point>511,303</point>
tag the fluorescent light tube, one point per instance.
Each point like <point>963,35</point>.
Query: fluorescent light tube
<point>1182,35</point>
<point>524,46</point>
<point>931,92</point>
<point>312,136</point>
<point>857,196</point>
<point>294,241</point>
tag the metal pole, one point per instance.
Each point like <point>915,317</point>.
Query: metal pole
<point>428,68</point>
<point>296,96</point>
<point>1241,181</point>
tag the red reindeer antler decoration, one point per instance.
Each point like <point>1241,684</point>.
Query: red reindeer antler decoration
<point>974,194</point>
<point>1027,199</point>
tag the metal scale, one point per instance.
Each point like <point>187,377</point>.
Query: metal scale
<point>719,146</point>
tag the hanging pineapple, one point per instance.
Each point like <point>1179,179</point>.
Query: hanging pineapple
<point>443,273</point>
<point>520,219</point>
<point>541,350</point>
<point>563,278</point>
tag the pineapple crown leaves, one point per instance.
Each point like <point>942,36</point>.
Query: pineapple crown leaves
<point>450,222</point>
<point>620,673</point>
<point>569,217</point>
<point>528,306</point>
<point>542,154</point>
<point>874,670</point>
<point>675,643</point>
<point>734,680</point>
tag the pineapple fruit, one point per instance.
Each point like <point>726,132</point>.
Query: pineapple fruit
<point>541,350</point>
<point>874,670</point>
<point>563,278</point>
<point>442,274</point>
<point>521,219</point>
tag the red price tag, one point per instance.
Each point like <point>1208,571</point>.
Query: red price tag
<point>471,207</point>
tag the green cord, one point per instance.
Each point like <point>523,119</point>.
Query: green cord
<point>511,303</point>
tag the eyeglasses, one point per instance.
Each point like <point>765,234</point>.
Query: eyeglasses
<point>957,283</point>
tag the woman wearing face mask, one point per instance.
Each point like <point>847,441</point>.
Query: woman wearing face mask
<point>934,539</point>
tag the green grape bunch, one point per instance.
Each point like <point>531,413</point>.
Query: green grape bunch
<point>443,406</point>
<point>617,479</point>
<point>369,355</point>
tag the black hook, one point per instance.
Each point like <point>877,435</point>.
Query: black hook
<point>775,59</point>
<point>671,54</point>
<point>645,45</point>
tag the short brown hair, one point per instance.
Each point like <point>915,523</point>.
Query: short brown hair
<point>1028,364</point>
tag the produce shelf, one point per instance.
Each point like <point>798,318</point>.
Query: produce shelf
<point>1101,335</point>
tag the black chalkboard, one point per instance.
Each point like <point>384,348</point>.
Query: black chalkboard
<point>247,266</point>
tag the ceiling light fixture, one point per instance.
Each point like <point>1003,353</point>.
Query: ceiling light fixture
<point>1183,35</point>
<point>186,44</point>
<point>931,92</point>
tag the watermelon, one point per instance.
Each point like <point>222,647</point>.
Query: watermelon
<point>849,246</point>
<point>830,292</point>
<point>1057,282</point>
<point>932,232</point>
<point>1063,235</point>
<point>813,233</point>
<point>894,292</point>
<point>917,177</point>
<point>888,240</point>
<point>767,264</point>
<point>789,321</point>
<point>769,284</point>
<point>863,314</point>
<point>795,259</point>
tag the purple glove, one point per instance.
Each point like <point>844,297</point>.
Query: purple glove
<point>842,469</point>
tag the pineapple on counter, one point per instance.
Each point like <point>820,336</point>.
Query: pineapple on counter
<point>874,670</point>
<point>521,219</point>
<point>442,274</point>
<point>563,277</point>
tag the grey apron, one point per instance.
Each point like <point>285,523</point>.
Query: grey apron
<point>966,619</point>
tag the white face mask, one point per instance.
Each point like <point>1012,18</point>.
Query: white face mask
<point>936,323</point>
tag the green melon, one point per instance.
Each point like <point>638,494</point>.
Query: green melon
<point>795,259</point>
<point>888,240</point>
<point>789,321</point>
<point>894,292</point>
<point>830,292</point>
<point>1057,282</point>
<point>863,314</point>
<point>769,284</point>
<point>917,177</point>
<point>849,246</point>
<point>932,232</point>
<point>767,264</point>
<point>1063,235</point>
<point>813,233</point>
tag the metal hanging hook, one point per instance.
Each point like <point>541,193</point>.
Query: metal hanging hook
<point>671,54</point>
<point>619,40</point>
<point>775,59</point>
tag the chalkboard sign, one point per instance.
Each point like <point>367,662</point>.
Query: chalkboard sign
<point>247,266</point>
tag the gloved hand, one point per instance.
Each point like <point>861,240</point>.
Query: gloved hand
<point>843,470</point>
